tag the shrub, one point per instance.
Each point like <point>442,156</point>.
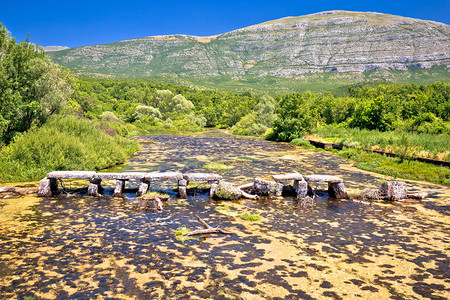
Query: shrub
<point>249,125</point>
<point>62,144</point>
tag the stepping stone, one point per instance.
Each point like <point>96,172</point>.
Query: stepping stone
<point>323,178</point>
<point>71,174</point>
<point>202,177</point>
<point>287,177</point>
<point>121,176</point>
<point>163,176</point>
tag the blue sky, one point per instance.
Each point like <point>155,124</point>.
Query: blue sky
<point>81,22</point>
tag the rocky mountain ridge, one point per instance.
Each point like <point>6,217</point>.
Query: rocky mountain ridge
<point>346,44</point>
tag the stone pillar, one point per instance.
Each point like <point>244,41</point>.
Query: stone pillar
<point>300,188</point>
<point>143,188</point>
<point>213,188</point>
<point>94,186</point>
<point>47,187</point>
<point>394,190</point>
<point>267,188</point>
<point>337,190</point>
<point>120,186</point>
<point>182,184</point>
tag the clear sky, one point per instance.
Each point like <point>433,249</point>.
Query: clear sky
<point>85,22</point>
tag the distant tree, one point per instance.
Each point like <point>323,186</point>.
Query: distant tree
<point>144,110</point>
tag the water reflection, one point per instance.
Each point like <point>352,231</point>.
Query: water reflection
<point>81,247</point>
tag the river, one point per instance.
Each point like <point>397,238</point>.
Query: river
<point>78,247</point>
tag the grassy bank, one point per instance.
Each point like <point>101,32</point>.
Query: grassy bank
<point>396,167</point>
<point>389,166</point>
<point>435,146</point>
<point>64,143</point>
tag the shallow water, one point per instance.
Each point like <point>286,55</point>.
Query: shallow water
<point>78,247</point>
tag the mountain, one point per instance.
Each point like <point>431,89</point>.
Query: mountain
<point>325,48</point>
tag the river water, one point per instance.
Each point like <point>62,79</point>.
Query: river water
<point>78,247</point>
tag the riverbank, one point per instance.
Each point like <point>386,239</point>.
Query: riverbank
<point>64,143</point>
<point>385,164</point>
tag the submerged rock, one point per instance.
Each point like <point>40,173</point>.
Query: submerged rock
<point>227,191</point>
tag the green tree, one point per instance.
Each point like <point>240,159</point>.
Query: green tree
<point>32,87</point>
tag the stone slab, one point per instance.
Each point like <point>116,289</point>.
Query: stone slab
<point>163,176</point>
<point>121,176</point>
<point>201,176</point>
<point>286,177</point>
<point>323,178</point>
<point>71,175</point>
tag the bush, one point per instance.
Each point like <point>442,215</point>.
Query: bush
<point>62,144</point>
<point>249,125</point>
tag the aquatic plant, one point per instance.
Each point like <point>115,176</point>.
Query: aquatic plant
<point>217,166</point>
<point>225,210</point>
<point>180,234</point>
<point>249,217</point>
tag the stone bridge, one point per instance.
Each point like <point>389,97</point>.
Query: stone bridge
<point>49,185</point>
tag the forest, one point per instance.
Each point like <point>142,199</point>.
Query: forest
<point>47,113</point>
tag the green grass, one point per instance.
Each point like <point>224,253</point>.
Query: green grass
<point>402,143</point>
<point>396,168</point>
<point>302,143</point>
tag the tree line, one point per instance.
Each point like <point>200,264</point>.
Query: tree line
<point>33,88</point>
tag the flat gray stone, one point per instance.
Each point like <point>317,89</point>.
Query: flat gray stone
<point>287,177</point>
<point>121,176</point>
<point>201,176</point>
<point>163,176</point>
<point>71,175</point>
<point>323,178</point>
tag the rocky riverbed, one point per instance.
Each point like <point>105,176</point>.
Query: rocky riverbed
<point>79,247</point>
